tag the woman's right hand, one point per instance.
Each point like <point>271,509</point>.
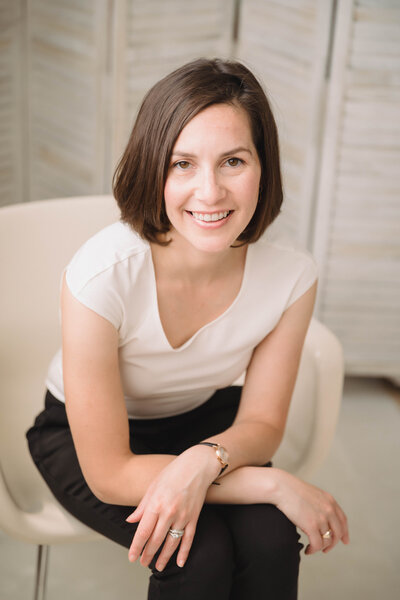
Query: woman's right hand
<point>311,509</point>
<point>173,500</point>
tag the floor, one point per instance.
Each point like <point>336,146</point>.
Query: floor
<point>363,473</point>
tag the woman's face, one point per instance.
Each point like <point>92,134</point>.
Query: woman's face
<point>212,185</point>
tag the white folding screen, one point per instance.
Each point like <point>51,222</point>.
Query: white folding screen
<point>72,75</point>
<point>67,41</point>
<point>154,37</point>
<point>357,227</point>
<point>13,156</point>
<point>286,43</point>
<point>332,72</point>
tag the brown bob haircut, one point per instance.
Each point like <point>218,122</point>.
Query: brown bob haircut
<point>140,176</point>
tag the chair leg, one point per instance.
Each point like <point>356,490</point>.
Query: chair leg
<point>41,572</point>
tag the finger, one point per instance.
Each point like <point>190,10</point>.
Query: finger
<point>160,534</point>
<point>170,546</point>
<point>136,515</point>
<point>186,543</point>
<point>316,541</point>
<point>326,534</point>
<point>142,534</point>
<point>327,542</point>
<point>336,529</point>
<point>346,538</point>
<point>343,520</point>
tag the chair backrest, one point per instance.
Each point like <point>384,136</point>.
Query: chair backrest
<point>37,240</point>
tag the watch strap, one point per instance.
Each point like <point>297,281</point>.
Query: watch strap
<point>216,446</point>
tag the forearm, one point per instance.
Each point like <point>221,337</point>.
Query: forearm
<point>248,443</point>
<point>128,478</point>
<point>245,485</point>
<point>127,482</point>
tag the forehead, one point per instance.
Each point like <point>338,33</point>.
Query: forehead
<point>217,123</point>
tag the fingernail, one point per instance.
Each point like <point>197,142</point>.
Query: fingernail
<point>181,562</point>
<point>160,567</point>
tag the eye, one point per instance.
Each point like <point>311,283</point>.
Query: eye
<point>183,165</point>
<point>234,162</point>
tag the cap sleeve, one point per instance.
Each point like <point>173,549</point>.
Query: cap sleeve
<point>99,292</point>
<point>308,275</point>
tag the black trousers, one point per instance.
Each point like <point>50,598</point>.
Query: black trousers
<point>239,552</point>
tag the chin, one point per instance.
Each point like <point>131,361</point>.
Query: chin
<point>212,246</point>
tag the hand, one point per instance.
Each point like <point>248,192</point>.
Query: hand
<point>173,500</point>
<point>314,511</point>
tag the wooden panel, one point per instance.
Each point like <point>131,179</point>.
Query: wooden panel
<point>161,36</point>
<point>286,43</point>
<point>357,232</point>
<point>12,123</point>
<point>68,45</point>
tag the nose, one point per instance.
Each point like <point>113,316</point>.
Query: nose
<point>209,187</point>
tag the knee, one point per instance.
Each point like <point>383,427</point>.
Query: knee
<point>264,533</point>
<point>212,551</point>
<point>267,553</point>
<point>284,536</point>
<point>210,564</point>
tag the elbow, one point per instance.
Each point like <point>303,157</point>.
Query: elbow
<point>102,485</point>
<point>110,482</point>
<point>102,495</point>
<point>98,489</point>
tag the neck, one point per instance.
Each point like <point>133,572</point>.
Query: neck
<point>193,266</point>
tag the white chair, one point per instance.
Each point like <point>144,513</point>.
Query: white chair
<point>36,241</point>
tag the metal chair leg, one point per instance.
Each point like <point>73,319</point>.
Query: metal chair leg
<point>41,572</point>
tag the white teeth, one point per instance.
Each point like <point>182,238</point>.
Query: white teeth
<point>210,216</point>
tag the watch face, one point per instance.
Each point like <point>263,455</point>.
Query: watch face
<point>223,455</point>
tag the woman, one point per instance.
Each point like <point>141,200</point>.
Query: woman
<point>161,313</point>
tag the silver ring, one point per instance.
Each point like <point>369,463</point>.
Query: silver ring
<point>327,535</point>
<point>176,533</point>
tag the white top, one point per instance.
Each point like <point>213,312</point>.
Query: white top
<point>113,274</point>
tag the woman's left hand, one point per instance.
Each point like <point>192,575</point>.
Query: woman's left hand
<point>313,510</point>
<point>172,501</point>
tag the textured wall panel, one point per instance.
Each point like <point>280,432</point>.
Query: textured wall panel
<point>360,242</point>
<point>12,114</point>
<point>286,43</point>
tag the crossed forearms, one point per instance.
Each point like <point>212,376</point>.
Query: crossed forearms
<point>128,483</point>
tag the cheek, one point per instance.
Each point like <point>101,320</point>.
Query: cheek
<point>174,189</point>
<point>170,196</point>
<point>250,189</point>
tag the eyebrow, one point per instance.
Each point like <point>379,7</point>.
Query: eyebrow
<point>227,153</point>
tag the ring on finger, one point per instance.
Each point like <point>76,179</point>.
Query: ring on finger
<point>176,533</point>
<point>327,535</point>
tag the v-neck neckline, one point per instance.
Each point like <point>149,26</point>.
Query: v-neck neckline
<point>206,325</point>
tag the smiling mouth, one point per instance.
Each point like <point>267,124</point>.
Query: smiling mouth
<point>210,217</point>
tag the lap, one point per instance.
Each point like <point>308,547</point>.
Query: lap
<point>53,451</point>
<point>52,448</point>
<point>255,524</point>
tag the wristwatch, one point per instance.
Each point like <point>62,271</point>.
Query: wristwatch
<point>221,453</point>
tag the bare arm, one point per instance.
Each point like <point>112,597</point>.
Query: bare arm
<point>259,425</point>
<point>99,425</point>
<point>96,409</point>
<point>98,418</point>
